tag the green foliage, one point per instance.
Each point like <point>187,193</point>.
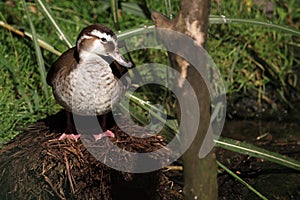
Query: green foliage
<point>253,59</point>
<point>263,57</point>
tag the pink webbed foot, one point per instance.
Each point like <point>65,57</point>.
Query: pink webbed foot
<point>107,133</point>
<point>70,136</point>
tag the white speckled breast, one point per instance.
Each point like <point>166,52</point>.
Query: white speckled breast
<point>89,90</point>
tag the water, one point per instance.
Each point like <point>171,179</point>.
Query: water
<point>272,180</point>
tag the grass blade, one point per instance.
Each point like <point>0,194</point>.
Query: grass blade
<point>249,149</point>
<point>134,9</point>
<point>241,181</point>
<point>225,20</point>
<point>153,111</point>
<point>114,9</point>
<point>38,52</point>
<point>48,13</point>
<point>24,34</point>
<point>19,87</point>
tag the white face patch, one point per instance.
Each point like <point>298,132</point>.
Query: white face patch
<point>102,35</point>
<point>82,38</point>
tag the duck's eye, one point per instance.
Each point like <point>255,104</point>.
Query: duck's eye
<point>103,39</point>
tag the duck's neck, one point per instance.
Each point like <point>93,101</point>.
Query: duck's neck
<point>90,58</point>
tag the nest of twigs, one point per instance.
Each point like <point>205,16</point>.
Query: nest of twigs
<point>35,165</point>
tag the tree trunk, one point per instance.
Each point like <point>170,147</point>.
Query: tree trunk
<point>200,175</point>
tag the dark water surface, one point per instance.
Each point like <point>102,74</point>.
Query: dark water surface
<point>272,180</point>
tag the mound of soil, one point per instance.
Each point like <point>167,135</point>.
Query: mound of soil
<point>35,165</point>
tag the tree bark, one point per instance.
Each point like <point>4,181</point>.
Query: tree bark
<point>200,175</point>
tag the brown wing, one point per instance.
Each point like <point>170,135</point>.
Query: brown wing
<point>63,65</point>
<point>120,71</point>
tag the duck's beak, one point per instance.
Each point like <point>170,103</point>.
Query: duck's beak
<point>116,55</point>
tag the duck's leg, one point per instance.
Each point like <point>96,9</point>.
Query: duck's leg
<point>70,131</point>
<point>106,133</point>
